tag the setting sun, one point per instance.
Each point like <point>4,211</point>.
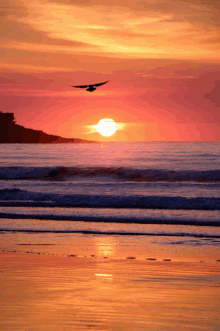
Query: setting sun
<point>106,127</point>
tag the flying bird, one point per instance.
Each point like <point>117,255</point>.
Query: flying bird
<point>91,87</point>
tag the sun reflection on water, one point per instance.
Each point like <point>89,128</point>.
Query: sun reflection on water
<point>105,246</point>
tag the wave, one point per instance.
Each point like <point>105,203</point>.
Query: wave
<point>193,235</point>
<point>116,219</point>
<point>118,173</point>
<point>17,197</point>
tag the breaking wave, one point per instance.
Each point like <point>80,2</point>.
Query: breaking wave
<point>17,197</point>
<point>118,173</point>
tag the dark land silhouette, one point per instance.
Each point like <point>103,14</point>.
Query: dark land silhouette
<point>12,133</point>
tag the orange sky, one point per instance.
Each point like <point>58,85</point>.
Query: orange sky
<point>162,60</point>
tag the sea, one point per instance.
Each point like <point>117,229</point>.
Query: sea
<point>132,192</point>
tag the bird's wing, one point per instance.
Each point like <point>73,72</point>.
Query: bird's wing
<point>80,86</point>
<point>100,83</point>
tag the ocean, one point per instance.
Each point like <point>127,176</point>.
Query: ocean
<point>135,193</point>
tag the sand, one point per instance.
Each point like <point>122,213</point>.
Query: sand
<point>40,291</point>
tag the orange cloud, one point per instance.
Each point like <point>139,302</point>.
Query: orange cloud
<point>122,32</point>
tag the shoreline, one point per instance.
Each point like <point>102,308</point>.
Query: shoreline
<point>112,246</point>
<point>32,252</point>
<point>42,292</point>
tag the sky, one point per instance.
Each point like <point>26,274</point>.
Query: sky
<point>161,58</point>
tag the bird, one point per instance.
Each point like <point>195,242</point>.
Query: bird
<point>91,87</point>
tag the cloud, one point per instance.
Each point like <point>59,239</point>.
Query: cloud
<point>200,11</point>
<point>213,96</point>
<point>177,30</point>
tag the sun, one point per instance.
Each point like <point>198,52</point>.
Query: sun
<point>106,127</point>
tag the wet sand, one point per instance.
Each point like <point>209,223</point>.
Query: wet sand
<point>44,292</point>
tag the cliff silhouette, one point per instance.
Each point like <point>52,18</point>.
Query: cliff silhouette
<point>12,133</point>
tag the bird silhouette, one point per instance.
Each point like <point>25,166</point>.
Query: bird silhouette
<point>91,87</point>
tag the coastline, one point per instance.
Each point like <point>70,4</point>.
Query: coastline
<point>124,272</point>
<point>119,246</point>
<point>48,292</point>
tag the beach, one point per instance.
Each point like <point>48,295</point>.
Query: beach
<point>44,290</point>
<point>110,165</point>
<point>120,237</point>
